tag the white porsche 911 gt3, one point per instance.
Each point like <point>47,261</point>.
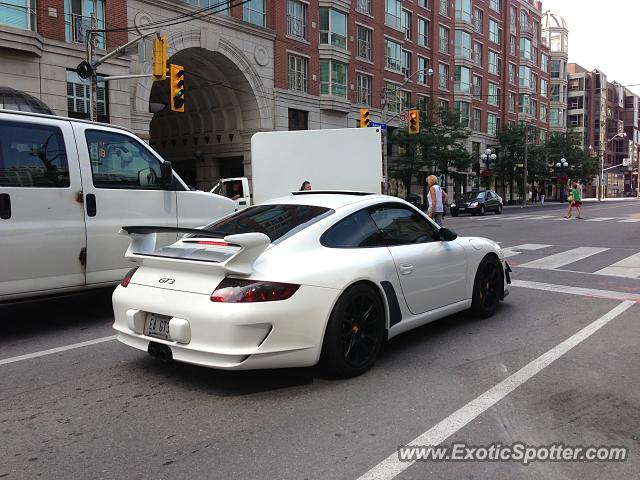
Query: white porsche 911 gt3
<point>314,277</point>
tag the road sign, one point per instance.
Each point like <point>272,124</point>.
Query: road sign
<point>626,162</point>
<point>404,116</point>
<point>383,126</point>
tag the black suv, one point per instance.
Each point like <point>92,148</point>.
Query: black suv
<point>477,203</point>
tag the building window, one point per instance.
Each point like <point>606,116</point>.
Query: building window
<point>364,6</point>
<point>423,70</point>
<point>525,48</point>
<point>544,63</point>
<point>363,90</point>
<point>495,32</point>
<point>495,5</point>
<point>405,100</point>
<point>492,124</point>
<point>543,113</point>
<point>333,78</point>
<point>443,74</point>
<point>406,24</point>
<point>424,3</point>
<point>393,55</point>
<point>423,105</point>
<point>463,10</point>
<point>444,39</point>
<point>19,14</point>
<point>254,12</point>
<point>477,87</point>
<point>493,95</point>
<point>444,105</point>
<point>555,92</point>
<point>555,69</point>
<point>463,109</point>
<point>297,19</point>
<point>393,13</point>
<point>79,98</point>
<point>524,104</point>
<point>298,119</point>
<point>525,76</point>
<point>298,73</point>
<point>478,22</point>
<point>554,117</point>
<point>512,74</point>
<point>477,54</point>
<point>364,42</point>
<point>477,119</point>
<point>392,97</point>
<point>513,18</point>
<point>495,62</point>
<point>423,32</point>
<point>444,7</point>
<point>461,80</point>
<point>544,85</point>
<point>512,102</point>
<point>333,27</point>
<point>534,82</point>
<point>463,44</point>
<point>406,64</point>
<point>513,45</point>
<point>77,20</point>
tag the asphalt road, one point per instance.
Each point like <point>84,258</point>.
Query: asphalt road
<point>558,363</point>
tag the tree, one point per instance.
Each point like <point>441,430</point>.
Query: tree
<point>582,166</point>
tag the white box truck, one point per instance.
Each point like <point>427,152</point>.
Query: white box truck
<point>331,159</point>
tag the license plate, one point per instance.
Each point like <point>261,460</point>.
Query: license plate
<point>157,326</point>
<point>462,209</point>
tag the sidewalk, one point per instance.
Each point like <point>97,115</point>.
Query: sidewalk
<point>557,203</point>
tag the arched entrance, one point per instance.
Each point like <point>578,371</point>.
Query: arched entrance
<point>224,106</point>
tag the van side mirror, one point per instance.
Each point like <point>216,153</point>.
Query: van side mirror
<point>446,235</point>
<point>167,173</point>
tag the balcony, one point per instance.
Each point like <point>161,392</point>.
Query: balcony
<point>526,29</point>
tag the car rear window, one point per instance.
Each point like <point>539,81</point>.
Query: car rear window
<point>276,221</point>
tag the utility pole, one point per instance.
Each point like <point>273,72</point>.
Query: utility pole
<point>526,159</point>
<point>92,39</point>
<point>385,134</point>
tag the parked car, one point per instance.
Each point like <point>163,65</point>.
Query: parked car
<point>477,203</point>
<point>312,277</point>
<point>415,200</point>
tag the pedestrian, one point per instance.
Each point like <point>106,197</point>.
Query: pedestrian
<point>575,200</point>
<point>444,202</point>
<point>236,191</point>
<point>534,194</point>
<point>306,185</point>
<point>542,195</point>
<point>437,198</point>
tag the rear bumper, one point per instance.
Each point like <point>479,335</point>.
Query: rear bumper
<point>229,336</point>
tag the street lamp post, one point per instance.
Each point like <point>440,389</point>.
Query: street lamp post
<point>488,157</point>
<point>562,165</point>
<point>385,131</point>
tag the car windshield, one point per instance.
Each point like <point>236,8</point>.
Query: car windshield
<point>276,221</point>
<point>469,196</point>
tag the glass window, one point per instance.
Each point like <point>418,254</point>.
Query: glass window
<point>495,32</point>
<point>119,161</point>
<point>423,32</point>
<point>463,109</point>
<point>513,47</point>
<point>477,87</point>
<point>32,156</point>
<point>543,113</point>
<point>333,78</point>
<point>406,24</point>
<point>77,20</point>
<point>492,124</point>
<point>254,12</point>
<point>364,42</point>
<point>477,119</point>
<point>444,7</point>
<point>406,64</point>
<point>512,102</point>
<point>393,97</point>
<point>401,226</point>
<point>462,79</point>
<point>543,87</point>
<point>493,96</point>
<point>556,66</point>
<point>18,13</point>
<point>298,119</point>
<point>393,13</point>
<point>423,70</point>
<point>443,71</point>
<point>463,44</point>
<point>297,19</point>
<point>444,39</point>
<point>525,76</point>
<point>525,49</point>
<point>512,73</point>
<point>554,117</point>
<point>495,63</point>
<point>524,104</point>
<point>478,23</point>
<point>463,10</point>
<point>544,63</point>
<point>364,6</point>
<point>275,221</point>
<point>555,92</point>
<point>495,5</point>
<point>393,55</point>
<point>79,99</point>
<point>364,89</point>
<point>356,231</point>
<point>333,27</point>
<point>298,73</point>
<point>477,54</point>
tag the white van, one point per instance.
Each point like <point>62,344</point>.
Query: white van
<point>66,188</point>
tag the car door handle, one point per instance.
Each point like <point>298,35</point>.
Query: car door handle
<point>5,206</point>
<point>90,202</point>
<point>406,268</point>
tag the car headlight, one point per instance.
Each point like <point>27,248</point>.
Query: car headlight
<point>474,205</point>
<point>453,205</point>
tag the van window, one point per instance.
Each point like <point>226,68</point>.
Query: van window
<point>32,156</point>
<point>119,161</point>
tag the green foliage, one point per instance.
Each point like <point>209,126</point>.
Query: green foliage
<point>582,166</point>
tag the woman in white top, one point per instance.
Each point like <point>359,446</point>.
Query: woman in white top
<point>437,199</point>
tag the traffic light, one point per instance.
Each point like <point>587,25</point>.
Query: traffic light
<point>364,118</point>
<point>177,88</point>
<point>413,122</point>
<point>159,57</point>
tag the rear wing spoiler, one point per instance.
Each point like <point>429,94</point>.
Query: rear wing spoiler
<point>143,246</point>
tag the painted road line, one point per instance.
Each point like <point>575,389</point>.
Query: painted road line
<point>541,217</point>
<point>527,247</point>
<point>628,268</point>
<point>51,351</point>
<point>569,290</point>
<point>514,217</point>
<point>391,466</point>
<point>601,219</point>
<point>564,258</point>
<point>630,220</point>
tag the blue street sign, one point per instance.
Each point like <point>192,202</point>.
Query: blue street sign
<point>383,126</point>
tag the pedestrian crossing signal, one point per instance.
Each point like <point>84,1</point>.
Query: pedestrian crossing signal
<point>364,118</point>
<point>413,122</point>
<point>177,88</point>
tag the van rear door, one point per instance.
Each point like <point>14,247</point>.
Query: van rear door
<point>122,186</point>
<point>42,230</point>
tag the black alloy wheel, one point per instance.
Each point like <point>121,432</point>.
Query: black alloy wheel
<point>355,333</point>
<point>487,287</point>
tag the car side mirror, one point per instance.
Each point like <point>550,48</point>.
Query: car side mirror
<point>446,235</point>
<point>167,173</point>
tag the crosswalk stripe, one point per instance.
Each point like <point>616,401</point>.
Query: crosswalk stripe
<point>630,220</point>
<point>540,217</point>
<point>628,268</point>
<point>564,258</point>
<point>600,219</point>
<point>513,251</point>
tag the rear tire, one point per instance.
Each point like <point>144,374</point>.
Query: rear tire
<point>355,333</point>
<point>487,287</point>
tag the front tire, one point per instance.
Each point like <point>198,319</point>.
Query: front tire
<point>499,210</point>
<point>355,333</point>
<point>487,287</point>
<point>481,210</point>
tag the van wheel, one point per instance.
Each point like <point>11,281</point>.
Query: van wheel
<point>487,287</point>
<point>355,333</point>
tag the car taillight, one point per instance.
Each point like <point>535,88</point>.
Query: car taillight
<point>235,290</point>
<point>127,278</point>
